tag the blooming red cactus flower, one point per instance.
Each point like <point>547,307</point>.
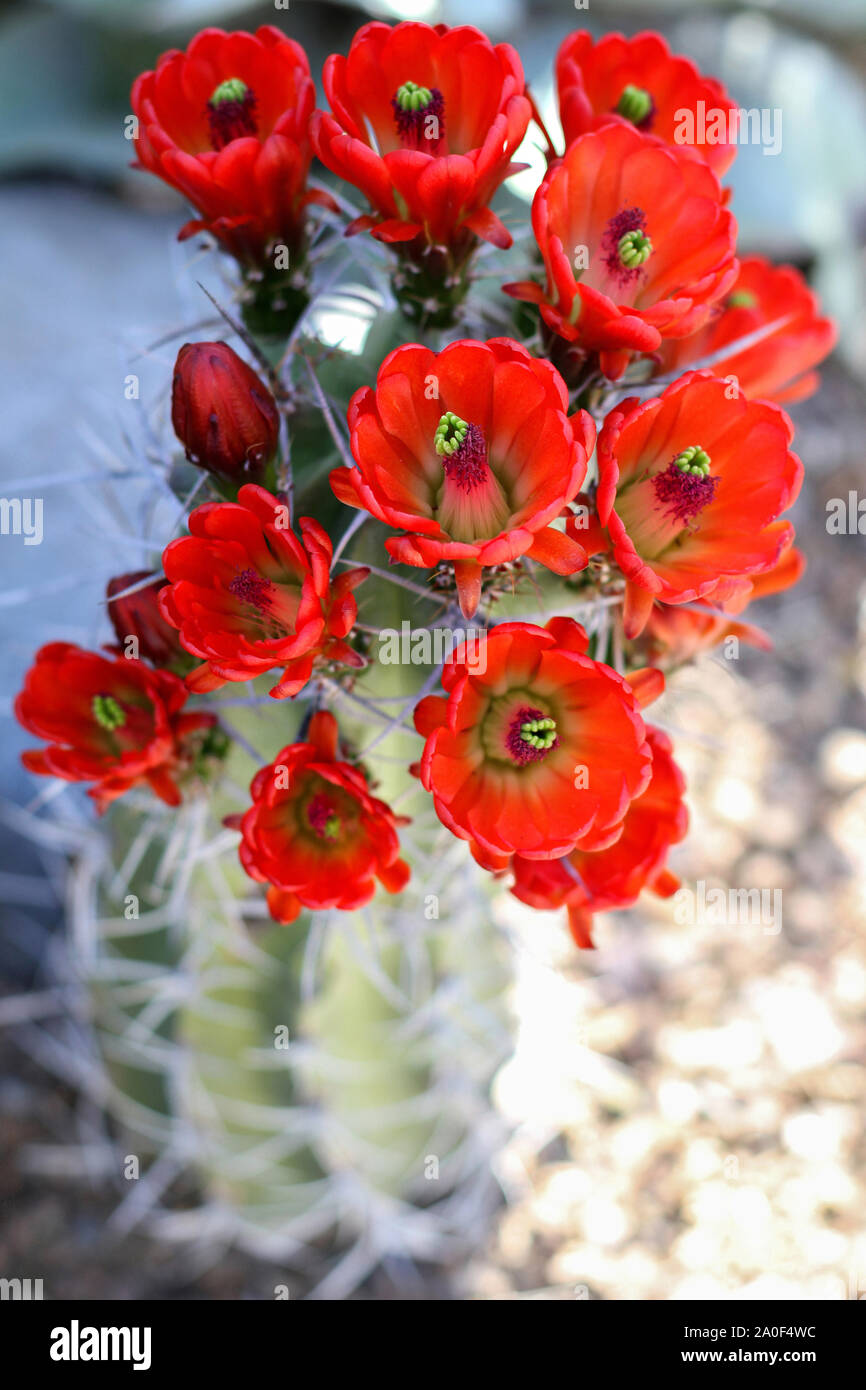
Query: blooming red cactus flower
<point>779,367</point>
<point>140,628</point>
<point>473,453</point>
<point>247,595</point>
<point>691,485</point>
<point>227,124</point>
<point>425,122</point>
<point>640,81</point>
<point>222,412</point>
<point>110,720</point>
<point>615,876</point>
<point>536,748</point>
<point>676,633</point>
<point>644,258</point>
<point>314,833</point>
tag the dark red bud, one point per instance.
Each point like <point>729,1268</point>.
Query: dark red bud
<point>137,615</point>
<point>223,414</point>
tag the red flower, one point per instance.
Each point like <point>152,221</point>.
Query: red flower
<point>223,414</point>
<point>615,876</point>
<point>247,595</point>
<point>690,488</point>
<point>640,81</point>
<point>137,615</point>
<point>226,124</point>
<point>425,123</point>
<point>644,257</point>
<point>679,634</point>
<point>676,634</point>
<point>314,832</point>
<point>472,452</point>
<point>779,367</point>
<point>537,748</point>
<point>109,720</point>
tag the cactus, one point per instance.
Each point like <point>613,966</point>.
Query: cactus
<point>332,1076</point>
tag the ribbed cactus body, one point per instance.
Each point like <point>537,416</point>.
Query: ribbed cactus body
<point>327,1081</point>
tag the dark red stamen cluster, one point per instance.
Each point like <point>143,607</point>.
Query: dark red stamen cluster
<point>683,494</point>
<point>230,120</point>
<point>322,817</point>
<point>521,751</point>
<point>467,466</point>
<point>629,220</point>
<point>251,587</point>
<point>415,128</point>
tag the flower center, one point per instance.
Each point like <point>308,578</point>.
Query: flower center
<point>107,712</point>
<point>323,818</point>
<point>230,112</point>
<point>419,113</point>
<point>637,106</point>
<point>685,487</point>
<point>625,245</point>
<point>252,588</point>
<point>463,451</point>
<point>531,735</point>
<point>741,299</point>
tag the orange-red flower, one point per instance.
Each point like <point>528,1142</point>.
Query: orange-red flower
<point>678,633</point>
<point>426,121</point>
<point>110,720</point>
<point>227,124</point>
<point>691,485</point>
<point>640,81</point>
<point>247,595</point>
<point>222,412</point>
<point>536,748</point>
<point>636,241</point>
<point>780,367</point>
<point>614,876</point>
<point>314,833</point>
<point>472,452</point>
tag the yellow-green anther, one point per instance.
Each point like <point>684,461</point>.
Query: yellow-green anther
<point>233,89</point>
<point>634,248</point>
<point>694,460</point>
<point>107,712</point>
<point>539,733</point>
<point>741,299</point>
<point>450,434</point>
<point>411,97</point>
<point>635,104</point>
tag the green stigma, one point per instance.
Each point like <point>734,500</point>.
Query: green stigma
<point>233,89</point>
<point>635,104</point>
<point>331,828</point>
<point>411,97</point>
<point>634,248</point>
<point>741,299</point>
<point>450,434</point>
<point>539,733</point>
<point>693,460</point>
<point>107,712</point>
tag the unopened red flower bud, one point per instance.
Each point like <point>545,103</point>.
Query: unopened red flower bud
<point>136,618</point>
<point>223,413</point>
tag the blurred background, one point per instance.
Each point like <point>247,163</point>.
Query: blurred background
<point>687,1102</point>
